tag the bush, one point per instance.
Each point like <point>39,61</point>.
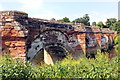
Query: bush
<point>117,44</point>
<point>15,69</point>
<point>99,68</point>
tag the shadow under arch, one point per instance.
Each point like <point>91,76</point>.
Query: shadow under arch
<point>50,54</point>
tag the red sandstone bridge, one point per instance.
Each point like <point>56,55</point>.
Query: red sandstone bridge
<point>37,40</point>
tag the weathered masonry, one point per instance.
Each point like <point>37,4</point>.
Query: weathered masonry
<point>38,40</point>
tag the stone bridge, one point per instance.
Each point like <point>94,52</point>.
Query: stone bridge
<point>37,40</point>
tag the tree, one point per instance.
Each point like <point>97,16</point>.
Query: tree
<point>52,19</point>
<point>60,20</point>
<point>116,26</point>
<point>85,20</point>
<point>110,22</point>
<point>93,23</point>
<point>78,20</point>
<point>86,17</point>
<point>65,19</point>
<point>100,24</point>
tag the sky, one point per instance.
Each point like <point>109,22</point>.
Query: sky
<point>47,9</point>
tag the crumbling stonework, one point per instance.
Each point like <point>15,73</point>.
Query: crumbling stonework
<point>36,39</point>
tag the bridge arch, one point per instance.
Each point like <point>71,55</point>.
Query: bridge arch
<point>51,42</point>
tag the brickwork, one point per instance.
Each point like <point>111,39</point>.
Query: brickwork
<point>13,33</point>
<point>28,38</point>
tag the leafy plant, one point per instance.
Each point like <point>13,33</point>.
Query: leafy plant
<point>99,68</point>
<point>15,69</point>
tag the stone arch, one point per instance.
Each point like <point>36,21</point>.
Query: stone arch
<point>48,42</point>
<point>91,40</point>
<point>104,40</point>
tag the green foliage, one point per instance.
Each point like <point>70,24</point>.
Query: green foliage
<point>78,20</point>
<point>99,68</point>
<point>117,43</point>
<point>85,20</point>
<point>116,26</point>
<point>15,69</point>
<point>113,24</point>
<point>52,19</point>
<point>100,24</point>
<point>93,23</point>
<point>117,39</point>
<point>110,22</point>
<point>65,19</point>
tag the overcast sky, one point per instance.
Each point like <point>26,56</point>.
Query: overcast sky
<point>47,9</point>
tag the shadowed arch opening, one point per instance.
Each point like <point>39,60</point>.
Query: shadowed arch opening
<point>50,54</point>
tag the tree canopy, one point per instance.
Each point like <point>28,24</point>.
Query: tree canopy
<point>93,23</point>
<point>85,20</point>
<point>65,19</point>
<point>116,26</point>
<point>100,24</point>
<point>53,19</point>
<point>110,22</point>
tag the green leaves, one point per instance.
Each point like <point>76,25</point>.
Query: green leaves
<point>99,68</point>
<point>85,20</point>
<point>110,22</point>
<point>100,24</point>
<point>15,69</point>
<point>117,43</point>
<point>65,19</point>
